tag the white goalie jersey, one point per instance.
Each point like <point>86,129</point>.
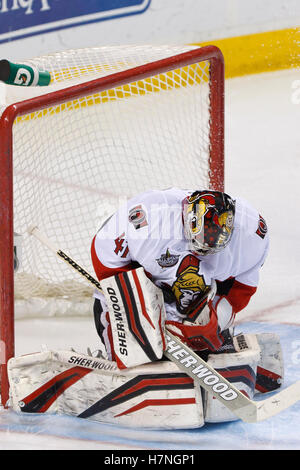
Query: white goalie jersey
<point>148,231</point>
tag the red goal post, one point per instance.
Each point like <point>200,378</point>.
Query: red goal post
<point>211,54</point>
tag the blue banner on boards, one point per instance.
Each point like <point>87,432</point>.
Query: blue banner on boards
<point>24,18</point>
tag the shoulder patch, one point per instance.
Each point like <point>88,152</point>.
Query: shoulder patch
<point>167,260</point>
<point>262,228</point>
<point>138,217</point>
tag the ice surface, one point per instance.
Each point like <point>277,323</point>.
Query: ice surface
<point>262,165</point>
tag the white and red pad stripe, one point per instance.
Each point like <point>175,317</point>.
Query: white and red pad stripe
<point>137,317</point>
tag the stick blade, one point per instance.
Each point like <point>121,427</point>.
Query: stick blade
<point>278,402</point>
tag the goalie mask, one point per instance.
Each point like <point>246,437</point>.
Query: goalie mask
<point>208,221</point>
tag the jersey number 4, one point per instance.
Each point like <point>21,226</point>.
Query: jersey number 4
<point>121,246</point>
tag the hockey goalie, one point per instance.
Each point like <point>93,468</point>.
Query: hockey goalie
<point>176,260</point>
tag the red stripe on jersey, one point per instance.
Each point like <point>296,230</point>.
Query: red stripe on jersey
<point>102,271</point>
<point>239,295</point>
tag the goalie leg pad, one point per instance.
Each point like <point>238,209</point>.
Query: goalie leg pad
<point>270,369</point>
<point>153,396</point>
<point>238,368</point>
<point>137,318</point>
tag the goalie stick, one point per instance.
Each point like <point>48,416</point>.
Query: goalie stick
<point>189,362</point>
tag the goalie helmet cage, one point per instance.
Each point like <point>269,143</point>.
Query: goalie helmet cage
<point>182,141</point>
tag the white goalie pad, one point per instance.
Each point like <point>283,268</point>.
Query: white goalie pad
<point>270,369</point>
<point>256,367</point>
<point>137,317</point>
<point>239,369</point>
<point>154,396</point>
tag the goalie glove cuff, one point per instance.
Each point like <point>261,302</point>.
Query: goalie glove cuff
<point>223,310</point>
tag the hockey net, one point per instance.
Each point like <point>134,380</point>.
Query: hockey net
<point>114,121</point>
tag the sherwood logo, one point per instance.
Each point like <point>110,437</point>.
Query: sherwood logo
<point>91,363</point>
<point>24,18</point>
<point>215,382</point>
<point>119,322</point>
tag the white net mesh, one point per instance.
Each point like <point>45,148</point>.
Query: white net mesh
<point>75,163</point>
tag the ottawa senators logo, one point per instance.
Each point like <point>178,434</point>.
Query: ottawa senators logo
<point>189,286</point>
